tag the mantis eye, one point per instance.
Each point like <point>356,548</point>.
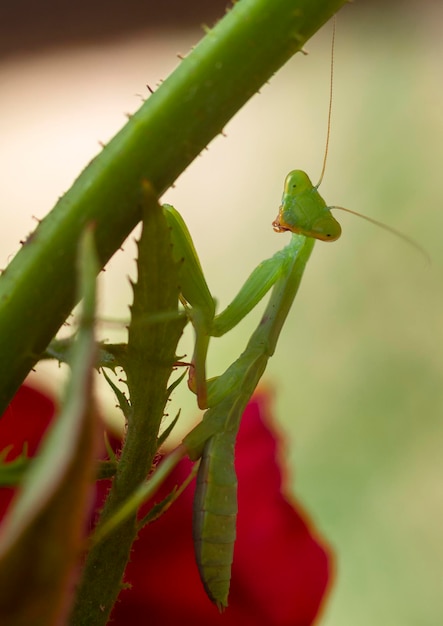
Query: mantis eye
<point>326,228</point>
<point>296,182</point>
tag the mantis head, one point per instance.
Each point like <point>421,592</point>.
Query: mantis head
<point>303,210</point>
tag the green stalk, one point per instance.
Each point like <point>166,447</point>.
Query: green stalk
<point>148,365</point>
<point>243,51</point>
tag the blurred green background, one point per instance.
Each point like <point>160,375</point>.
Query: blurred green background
<point>357,376</point>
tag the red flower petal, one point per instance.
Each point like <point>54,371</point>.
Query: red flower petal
<point>290,565</point>
<point>25,421</point>
<point>23,424</point>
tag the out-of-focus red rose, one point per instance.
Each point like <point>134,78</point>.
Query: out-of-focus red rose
<point>281,567</point>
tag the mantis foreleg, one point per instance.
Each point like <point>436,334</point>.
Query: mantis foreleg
<point>195,291</point>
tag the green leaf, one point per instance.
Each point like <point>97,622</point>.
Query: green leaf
<point>42,533</point>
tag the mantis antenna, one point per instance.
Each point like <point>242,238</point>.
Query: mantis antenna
<point>331,86</point>
<point>389,229</point>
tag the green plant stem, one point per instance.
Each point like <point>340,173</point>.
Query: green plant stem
<point>148,366</point>
<point>142,494</point>
<point>235,58</point>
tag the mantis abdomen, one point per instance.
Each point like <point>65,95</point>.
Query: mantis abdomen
<point>215,512</point>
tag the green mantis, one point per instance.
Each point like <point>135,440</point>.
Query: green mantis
<point>303,212</point>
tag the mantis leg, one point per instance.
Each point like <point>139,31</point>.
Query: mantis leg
<point>195,291</point>
<point>201,312</point>
<point>255,288</point>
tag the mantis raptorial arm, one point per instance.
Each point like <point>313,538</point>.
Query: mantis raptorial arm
<point>195,291</point>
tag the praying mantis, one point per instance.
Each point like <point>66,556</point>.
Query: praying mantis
<point>305,214</point>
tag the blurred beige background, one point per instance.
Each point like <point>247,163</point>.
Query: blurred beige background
<point>358,372</point>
